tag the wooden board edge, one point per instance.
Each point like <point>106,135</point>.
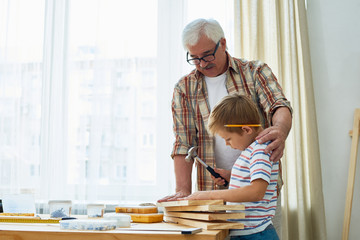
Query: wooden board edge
<point>206,216</point>
<point>190,203</point>
<point>205,208</point>
<point>219,225</point>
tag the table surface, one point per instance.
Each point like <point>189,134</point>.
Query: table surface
<point>138,231</point>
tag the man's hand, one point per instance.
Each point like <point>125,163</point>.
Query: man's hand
<point>183,171</point>
<point>175,197</point>
<point>277,133</point>
<point>278,137</point>
<point>200,195</point>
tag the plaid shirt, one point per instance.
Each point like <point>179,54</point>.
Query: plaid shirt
<point>191,109</point>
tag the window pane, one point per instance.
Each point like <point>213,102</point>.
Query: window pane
<point>112,93</point>
<point>85,113</point>
<point>21,42</point>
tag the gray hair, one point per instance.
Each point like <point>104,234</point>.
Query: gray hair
<point>200,27</point>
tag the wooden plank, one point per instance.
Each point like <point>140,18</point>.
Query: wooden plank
<point>351,175</point>
<point>25,219</point>
<point>351,133</point>
<point>206,216</point>
<point>146,217</point>
<point>19,217</point>
<point>18,214</point>
<point>190,203</point>
<point>206,225</point>
<point>205,208</point>
<point>136,209</point>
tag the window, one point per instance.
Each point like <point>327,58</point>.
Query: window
<point>85,95</point>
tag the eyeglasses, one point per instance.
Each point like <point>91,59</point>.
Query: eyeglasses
<point>207,58</point>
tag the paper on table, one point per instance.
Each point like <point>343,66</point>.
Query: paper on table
<point>18,203</point>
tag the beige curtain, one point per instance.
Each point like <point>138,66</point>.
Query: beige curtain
<point>275,31</point>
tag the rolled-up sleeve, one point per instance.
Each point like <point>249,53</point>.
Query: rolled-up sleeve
<point>183,123</point>
<point>269,91</point>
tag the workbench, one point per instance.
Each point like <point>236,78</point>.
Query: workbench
<point>45,231</point>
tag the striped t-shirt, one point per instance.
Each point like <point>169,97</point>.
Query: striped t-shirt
<point>254,164</point>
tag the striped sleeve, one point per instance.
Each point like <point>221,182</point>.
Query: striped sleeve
<point>260,165</point>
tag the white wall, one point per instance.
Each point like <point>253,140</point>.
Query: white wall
<point>334,34</point>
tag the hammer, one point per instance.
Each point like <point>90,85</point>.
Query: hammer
<point>192,155</point>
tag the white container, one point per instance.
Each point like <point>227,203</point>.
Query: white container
<point>122,219</point>
<point>95,210</point>
<point>60,208</point>
<point>88,224</point>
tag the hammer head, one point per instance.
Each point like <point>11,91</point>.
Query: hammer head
<point>191,154</point>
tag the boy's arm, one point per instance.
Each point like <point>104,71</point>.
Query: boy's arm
<point>250,193</point>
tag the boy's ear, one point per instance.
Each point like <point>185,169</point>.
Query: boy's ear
<point>247,129</point>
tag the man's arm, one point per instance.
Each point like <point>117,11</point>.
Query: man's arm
<point>277,133</point>
<point>183,171</point>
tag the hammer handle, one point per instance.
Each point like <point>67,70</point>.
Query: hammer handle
<point>216,175</point>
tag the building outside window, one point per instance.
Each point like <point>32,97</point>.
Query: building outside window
<point>80,112</point>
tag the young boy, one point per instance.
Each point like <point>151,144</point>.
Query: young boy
<point>253,177</point>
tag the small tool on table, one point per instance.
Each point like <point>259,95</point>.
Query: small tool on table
<point>193,155</point>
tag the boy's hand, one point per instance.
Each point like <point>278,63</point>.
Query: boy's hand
<point>224,173</point>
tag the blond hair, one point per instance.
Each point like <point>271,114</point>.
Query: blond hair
<point>233,109</point>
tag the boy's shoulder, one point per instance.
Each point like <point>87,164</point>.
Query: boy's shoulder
<point>256,144</point>
<point>258,148</point>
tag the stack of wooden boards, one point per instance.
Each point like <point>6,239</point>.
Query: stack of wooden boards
<point>206,214</point>
<point>141,214</point>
